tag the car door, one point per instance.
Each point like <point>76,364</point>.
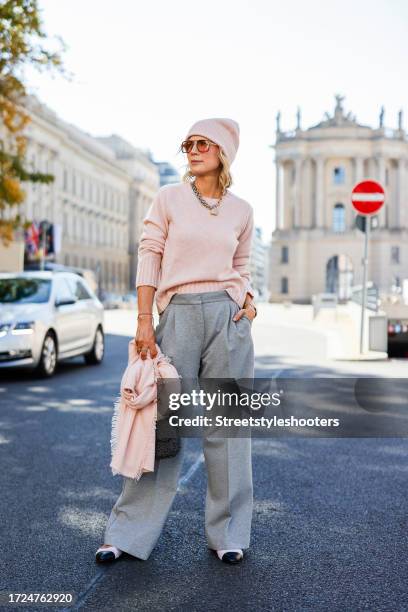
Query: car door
<point>65,316</point>
<point>86,311</point>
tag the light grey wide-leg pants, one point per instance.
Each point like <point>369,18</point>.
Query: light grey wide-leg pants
<point>197,332</point>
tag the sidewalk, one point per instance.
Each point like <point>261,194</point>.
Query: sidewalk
<point>338,327</point>
<point>290,336</point>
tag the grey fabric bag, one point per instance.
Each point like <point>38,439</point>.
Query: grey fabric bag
<point>168,443</point>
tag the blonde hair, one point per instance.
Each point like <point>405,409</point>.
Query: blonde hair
<point>224,177</point>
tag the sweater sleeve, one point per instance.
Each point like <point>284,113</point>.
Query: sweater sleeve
<point>152,241</point>
<point>242,253</point>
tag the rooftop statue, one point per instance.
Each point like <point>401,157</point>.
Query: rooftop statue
<point>278,117</point>
<point>339,100</point>
<point>400,116</point>
<point>382,112</point>
<point>298,118</point>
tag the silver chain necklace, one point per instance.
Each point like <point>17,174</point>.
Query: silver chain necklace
<point>212,207</point>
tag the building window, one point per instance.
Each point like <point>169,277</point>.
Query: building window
<point>339,218</point>
<point>293,174</point>
<point>284,285</point>
<point>395,255</point>
<point>284,254</point>
<point>339,175</point>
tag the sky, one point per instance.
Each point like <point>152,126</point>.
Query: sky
<point>148,70</point>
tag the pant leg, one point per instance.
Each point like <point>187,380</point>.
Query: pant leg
<point>139,514</point>
<point>228,353</point>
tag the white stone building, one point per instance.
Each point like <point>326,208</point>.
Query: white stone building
<point>258,265</point>
<point>97,197</point>
<point>145,184</point>
<point>315,245</point>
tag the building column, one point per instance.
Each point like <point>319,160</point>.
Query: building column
<point>403,200</point>
<point>399,213</point>
<point>307,193</point>
<point>358,177</point>
<point>320,163</point>
<point>278,202</point>
<point>381,179</point>
<point>297,200</point>
<point>358,169</point>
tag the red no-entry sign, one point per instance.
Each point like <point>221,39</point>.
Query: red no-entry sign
<point>367,197</point>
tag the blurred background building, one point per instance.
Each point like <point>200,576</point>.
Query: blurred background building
<point>91,216</point>
<point>259,265</point>
<point>168,174</point>
<point>316,246</point>
<point>88,203</point>
<point>145,181</point>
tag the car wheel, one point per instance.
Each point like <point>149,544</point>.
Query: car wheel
<point>97,352</point>
<point>48,360</point>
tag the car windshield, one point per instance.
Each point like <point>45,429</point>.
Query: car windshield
<point>24,290</point>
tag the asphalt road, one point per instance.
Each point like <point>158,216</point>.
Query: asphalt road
<point>330,519</point>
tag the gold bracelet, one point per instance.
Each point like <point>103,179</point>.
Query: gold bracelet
<point>146,314</point>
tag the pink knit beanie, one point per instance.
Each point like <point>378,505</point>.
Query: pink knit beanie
<point>222,131</point>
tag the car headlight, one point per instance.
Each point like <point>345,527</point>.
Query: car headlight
<point>23,328</point>
<point>4,328</point>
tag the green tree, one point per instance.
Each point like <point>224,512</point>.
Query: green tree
<point>23,43</point>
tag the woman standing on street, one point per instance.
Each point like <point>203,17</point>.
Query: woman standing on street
<point>193,259</point>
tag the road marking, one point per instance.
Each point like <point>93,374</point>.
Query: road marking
<point>82,596</point>
<point>190,472</point>
<point>182,483</point>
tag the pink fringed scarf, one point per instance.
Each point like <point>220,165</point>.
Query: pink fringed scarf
<point>133,435</point>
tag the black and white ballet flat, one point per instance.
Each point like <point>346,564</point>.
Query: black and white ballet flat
<point>107,553</point>
<point>230,556</point>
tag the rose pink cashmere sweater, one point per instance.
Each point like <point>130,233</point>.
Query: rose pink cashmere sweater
<point>185,249</point>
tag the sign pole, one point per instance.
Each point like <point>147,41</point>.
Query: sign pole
<point>364,293</point>
<point>367,198</point>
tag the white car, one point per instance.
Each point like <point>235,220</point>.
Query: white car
<point>46,317</point>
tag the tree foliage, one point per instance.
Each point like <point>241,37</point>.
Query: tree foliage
<point>23,43</point>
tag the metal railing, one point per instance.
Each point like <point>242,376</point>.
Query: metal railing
<point>372,296</point>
